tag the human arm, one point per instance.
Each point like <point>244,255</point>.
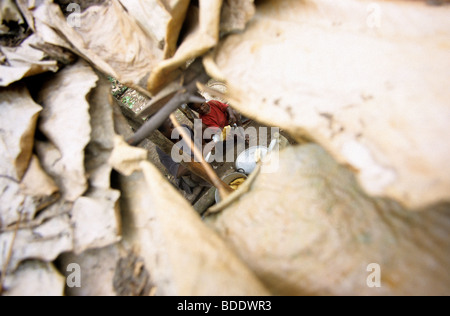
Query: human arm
<point>233,116</point>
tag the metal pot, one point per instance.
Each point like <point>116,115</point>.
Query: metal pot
<point>228,179</point>
<point>246,161</point>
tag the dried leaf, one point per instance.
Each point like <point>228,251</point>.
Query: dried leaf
<point>18,123</point>
<point>13,202</point>
<point>96,220</point>
<point>203,36</point>
<point>58,208</point>
<point>151,16</point>
<point>235,15</point>
<point>36,182</point>
<point>25,6</point>
<point>97,269</point>
<point>39,14</point>
<point>65,121</point>
<point>50,158</point>
<point>178,10</point>
<point>109,38</point>
<point>160,20</point>
<point>34,278</point>
<point>24,61</point>
<point>44,243</point>
<point>36,191</point>
<point>101,145</point>
<point>308,228</point>
<point>126,159</point>
<point>94,216</point>
<point>375,96</point>
<point>172,240</point>
<point>9,12</point>
<point>131,277</point>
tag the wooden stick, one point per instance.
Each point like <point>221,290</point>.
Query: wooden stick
<point>192,76</point>
<point>224,189</point>
<point>158,119</point>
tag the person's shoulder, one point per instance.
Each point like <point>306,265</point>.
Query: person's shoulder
<point>218,103</point>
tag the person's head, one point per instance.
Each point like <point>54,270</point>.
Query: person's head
<point>200,108</point>
<point>167,128</point>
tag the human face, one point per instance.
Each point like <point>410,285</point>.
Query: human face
<point>202,108</point>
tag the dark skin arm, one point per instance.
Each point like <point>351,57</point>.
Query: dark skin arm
<point>233,117</point>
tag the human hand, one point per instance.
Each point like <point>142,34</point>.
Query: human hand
<point>232,117</point>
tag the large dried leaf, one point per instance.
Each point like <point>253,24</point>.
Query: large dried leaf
<point>65,121</point>
<point>203,35</point>
<point>374,97</point>
<point>34,278</point>
<point>182,256</point>
<point>44,242</point>
<point>308,228</point>
<point>108,37</point>
<point>24,61</point>
<point>18,119</point>
<point>95,215</point>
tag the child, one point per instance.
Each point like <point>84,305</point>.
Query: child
<point>215,114</point>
